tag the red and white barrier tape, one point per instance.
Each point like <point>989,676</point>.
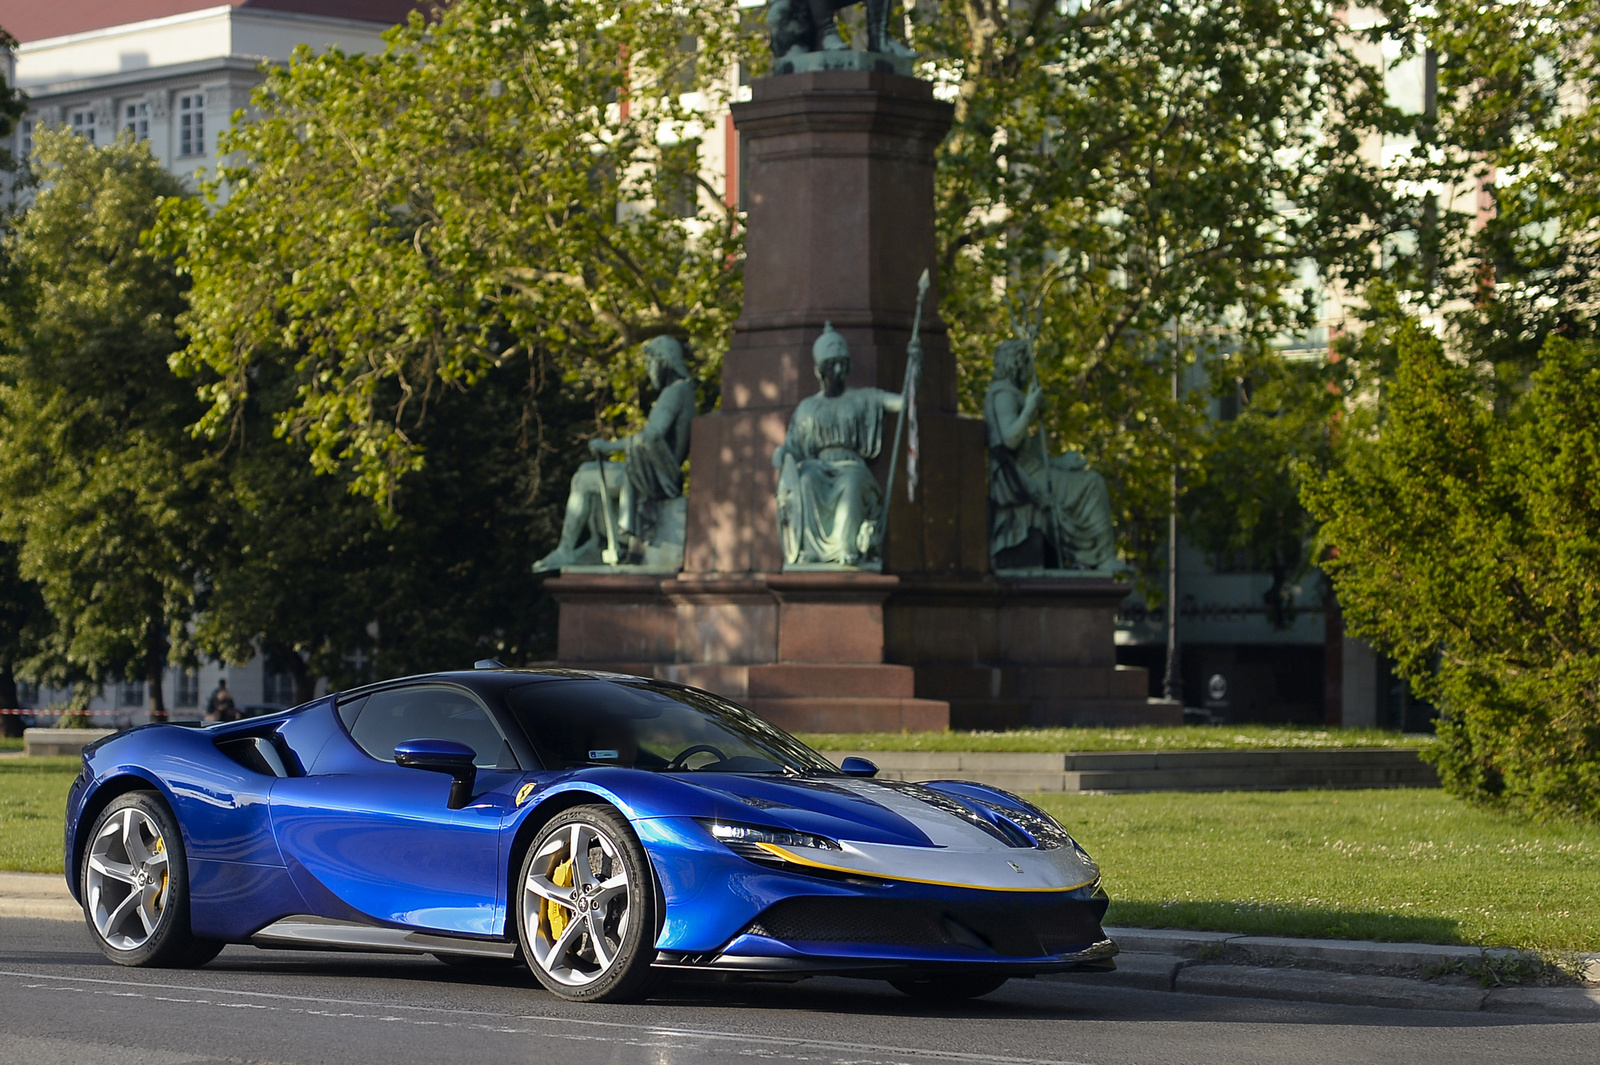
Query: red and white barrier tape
<point>81,713</point>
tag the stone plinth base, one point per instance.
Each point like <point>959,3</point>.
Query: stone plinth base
<point>867,652</point>
<point>803,650</point>
<point>1015,651</point>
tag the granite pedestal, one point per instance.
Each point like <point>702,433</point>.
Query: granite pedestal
<point>803,650</point>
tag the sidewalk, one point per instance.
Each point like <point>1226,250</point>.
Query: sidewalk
<point>1344,972</point>
<point>37,895</point>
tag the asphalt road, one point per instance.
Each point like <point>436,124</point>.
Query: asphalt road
<point>60,1001</point>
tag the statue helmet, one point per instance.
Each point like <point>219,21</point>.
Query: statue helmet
<point>1012,357</point>
<point>829,346</point>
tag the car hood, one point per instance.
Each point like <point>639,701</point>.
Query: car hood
<point>949,833</point>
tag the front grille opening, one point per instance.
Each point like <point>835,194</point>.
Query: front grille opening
<point>1024,930</point>
<point>850,921</point>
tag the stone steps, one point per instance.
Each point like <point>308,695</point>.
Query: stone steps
<point>1130,771</point>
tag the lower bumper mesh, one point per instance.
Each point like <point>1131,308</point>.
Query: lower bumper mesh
<point>1020,929</point>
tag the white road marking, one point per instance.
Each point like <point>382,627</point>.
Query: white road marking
<point>649,1036</point>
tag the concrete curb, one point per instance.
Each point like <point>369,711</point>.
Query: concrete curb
<point>1307,985</point>
<point>1169,972</point>
<point>1344,953</point>
<point>1197,963</point>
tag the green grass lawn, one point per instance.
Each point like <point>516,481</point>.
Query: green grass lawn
<point>1175,738</point>
<point>10,743</point>
<point>1403,865</point>
<point>33,799</point>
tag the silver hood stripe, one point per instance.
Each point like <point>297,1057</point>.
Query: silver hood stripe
<point>962,854</point>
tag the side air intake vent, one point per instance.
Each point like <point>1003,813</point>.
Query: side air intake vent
<point>256,753</point>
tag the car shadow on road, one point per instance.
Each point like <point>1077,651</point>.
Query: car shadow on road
<point>1047,1000</point>
<point>512,989</point>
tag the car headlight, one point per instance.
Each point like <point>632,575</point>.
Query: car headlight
<point>746,840</point>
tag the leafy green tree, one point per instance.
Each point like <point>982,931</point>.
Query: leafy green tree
<point>1464,540</point>
<point>22,614</point>
<point>21,609</point>
<point>1507,248</point>
<point>482,195</point>
<point>314,579</point>
<point>101,484</point>
<point>1459,516</point>
<point>1149,166</point>
<point>1242,499</point>
<point>13,105</point>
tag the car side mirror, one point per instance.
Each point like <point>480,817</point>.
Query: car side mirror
<point>442,756</point>
<point>858,767</point>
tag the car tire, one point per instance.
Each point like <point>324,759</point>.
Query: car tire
<point>588,930</point>
<point>135,886</point>
<point>200,952</point>
<point>949,988</point>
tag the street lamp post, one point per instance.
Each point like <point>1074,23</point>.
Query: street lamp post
<point>1172,682</point>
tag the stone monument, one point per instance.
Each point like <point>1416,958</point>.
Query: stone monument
<point>632,513</point>
<point>839,184</point>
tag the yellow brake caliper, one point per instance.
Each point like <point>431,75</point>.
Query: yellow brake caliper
<point>556,915</point>
<point>161,897</point>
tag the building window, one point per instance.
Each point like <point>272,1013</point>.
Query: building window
<point>27,696</point>
<point>27,139</point>
<point>186,689</point>
<point>136,120</point>
<point>277,689</point>
<point>192,124</point>
<point>130,693</point>
<point>83,124</point>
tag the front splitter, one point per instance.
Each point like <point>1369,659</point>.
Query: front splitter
<point>1097,957</point>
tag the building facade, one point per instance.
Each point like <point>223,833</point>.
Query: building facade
<point>171,73</point>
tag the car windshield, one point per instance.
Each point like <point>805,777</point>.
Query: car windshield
<point>659,727</point>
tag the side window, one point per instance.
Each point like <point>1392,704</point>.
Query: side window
<point>348,709</point>
<point>387,719</point>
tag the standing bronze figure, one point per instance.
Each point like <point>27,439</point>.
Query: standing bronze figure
<point>800,26</point>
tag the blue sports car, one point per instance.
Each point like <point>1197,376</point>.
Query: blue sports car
<point>606,830</point>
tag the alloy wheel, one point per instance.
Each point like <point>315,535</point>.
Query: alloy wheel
<point>576,905</point>
<point>127,878</point>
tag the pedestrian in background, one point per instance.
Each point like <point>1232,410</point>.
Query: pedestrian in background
<point>221,707</point>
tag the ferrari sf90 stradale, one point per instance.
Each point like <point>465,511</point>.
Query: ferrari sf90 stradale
<point>606,830</point>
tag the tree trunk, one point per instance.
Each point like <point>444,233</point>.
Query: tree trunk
<point>10,724</point>
<point>305,685</point>
<point>282,656</point>
<point>155,666</point>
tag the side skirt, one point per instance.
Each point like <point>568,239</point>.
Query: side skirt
<point>306,932</point>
